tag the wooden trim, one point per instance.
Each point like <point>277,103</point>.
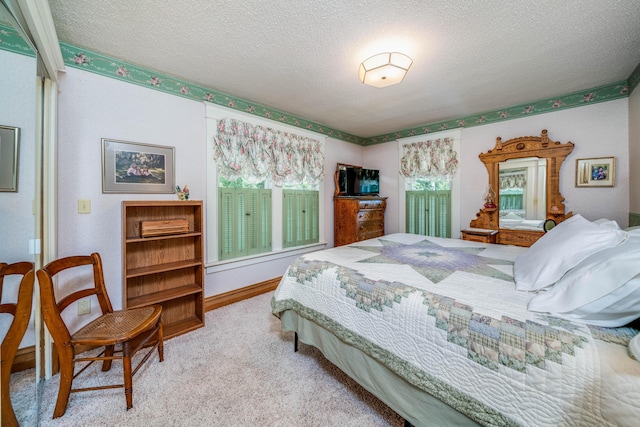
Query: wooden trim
<point>220,300</point>
<point>25,359</point>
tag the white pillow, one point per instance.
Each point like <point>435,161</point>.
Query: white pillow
<point>604,222</point>
<point>602,290</point>
<point>560,249</point>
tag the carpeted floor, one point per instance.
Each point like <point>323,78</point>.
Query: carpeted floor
<point>240,370</point>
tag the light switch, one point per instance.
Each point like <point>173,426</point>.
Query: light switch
<point>84,206</point>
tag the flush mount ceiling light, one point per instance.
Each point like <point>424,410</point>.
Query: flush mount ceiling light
<point>384,69</point>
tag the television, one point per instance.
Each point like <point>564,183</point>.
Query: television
<point>356,181</point>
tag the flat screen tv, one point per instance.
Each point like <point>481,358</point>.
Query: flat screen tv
<point>361,181</point>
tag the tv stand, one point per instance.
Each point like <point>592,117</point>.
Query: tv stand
<point>357,218</point>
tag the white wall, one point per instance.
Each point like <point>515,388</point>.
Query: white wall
<point>92,107</point>
<point>598,130</point>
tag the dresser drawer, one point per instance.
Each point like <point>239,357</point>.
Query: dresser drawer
<point>518,237</point>
<point>370,226</point>
<point>372,204</point>
<point>377,215</point>
<point>370,235</point>
<point>479,238</point>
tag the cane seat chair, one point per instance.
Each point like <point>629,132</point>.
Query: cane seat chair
<point>21,312</point>
<point>131,329</point>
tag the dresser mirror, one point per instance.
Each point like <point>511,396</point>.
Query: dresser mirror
<point>524,175</point>
<point>522,193</point>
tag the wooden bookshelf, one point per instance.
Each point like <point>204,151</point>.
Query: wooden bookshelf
<point>168,269</point>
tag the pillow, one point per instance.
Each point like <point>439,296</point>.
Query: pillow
<point>604,222</point>
<point>560,249</point>
<point>512,215</point>
<point>603,290</point>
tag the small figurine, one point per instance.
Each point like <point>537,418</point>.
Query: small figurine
<point>182,194</point>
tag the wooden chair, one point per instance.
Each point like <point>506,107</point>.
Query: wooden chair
<point>21,312</point>
<point>132,329</point>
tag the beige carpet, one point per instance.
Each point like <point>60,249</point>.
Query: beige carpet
<point>240,370</point>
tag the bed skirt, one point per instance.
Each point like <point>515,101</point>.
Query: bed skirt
<point>413,404</point>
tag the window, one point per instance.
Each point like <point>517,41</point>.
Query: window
<point>254,205</point>
<point>428,207</point>
<point>429,187</point>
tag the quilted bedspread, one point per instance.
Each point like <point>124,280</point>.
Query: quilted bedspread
<point>444,315</point>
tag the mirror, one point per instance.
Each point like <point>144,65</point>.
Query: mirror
<point>522,191</point>
<point>18,81</point>
<point>526,173</point>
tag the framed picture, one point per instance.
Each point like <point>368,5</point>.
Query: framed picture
<point>132,167</point>
<point>9,143</point>
<point>597,172</point>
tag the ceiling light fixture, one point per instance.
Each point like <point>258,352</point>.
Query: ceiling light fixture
<point>384,69</point>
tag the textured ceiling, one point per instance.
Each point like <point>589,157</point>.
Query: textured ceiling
<point>302,57</point>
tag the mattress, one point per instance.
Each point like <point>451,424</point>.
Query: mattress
<point>443,315</point>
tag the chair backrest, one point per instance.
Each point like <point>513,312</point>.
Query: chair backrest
<point>52,307</point>
<point>21,309</point>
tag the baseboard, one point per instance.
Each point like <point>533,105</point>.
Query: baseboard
<point>220,300</point>
<point>25,359</point>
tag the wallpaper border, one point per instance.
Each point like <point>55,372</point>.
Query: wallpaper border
<point>77,57</point>
<point>12,41</point>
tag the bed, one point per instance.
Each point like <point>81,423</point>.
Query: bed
<point>436,329</point>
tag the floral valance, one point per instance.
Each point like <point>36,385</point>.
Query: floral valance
<point>513,180</point>
<point>254,153</point>
<point>429,159</point>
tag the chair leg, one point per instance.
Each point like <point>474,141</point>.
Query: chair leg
<point>128,382</point>
<point>108,352</point>
<point>160,338</point>
<point>65,355</point>
<point>8,416</point>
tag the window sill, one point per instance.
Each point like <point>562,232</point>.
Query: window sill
<point>217,266</point>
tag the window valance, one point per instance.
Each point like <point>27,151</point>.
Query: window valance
<point>429,159</point>
<point>254,153</point>
<point>513,179</point>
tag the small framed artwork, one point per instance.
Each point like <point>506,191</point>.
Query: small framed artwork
<point>132,167</point>
<point>9,143</point>
<point>596,172</point>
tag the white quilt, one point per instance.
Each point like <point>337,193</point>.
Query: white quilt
<point>444,315</point>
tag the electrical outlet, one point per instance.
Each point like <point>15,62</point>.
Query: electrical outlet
<point>84,306</point>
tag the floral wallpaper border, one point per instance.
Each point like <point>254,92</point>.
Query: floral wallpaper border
<point>93,62</point>
<point>12,41</point>
<point>576,99</point>
<point>77,57</point>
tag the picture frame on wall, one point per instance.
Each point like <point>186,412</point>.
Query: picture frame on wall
<point>9,148</point>
<point>133,167</point>
<point>596,172</point>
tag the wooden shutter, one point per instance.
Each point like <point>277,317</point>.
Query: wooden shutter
<point>244,221</point>
<point>428,212</point>
<point>300,217</point>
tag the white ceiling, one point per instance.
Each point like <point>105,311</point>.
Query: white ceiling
<point>302,57</point>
